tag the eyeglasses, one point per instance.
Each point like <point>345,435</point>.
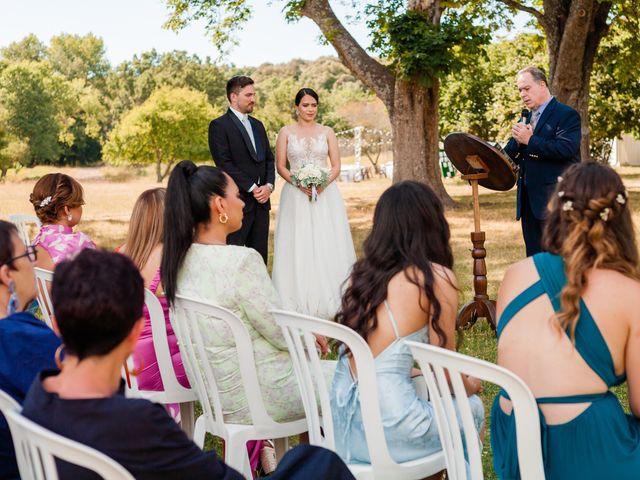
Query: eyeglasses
<point>31,253</point>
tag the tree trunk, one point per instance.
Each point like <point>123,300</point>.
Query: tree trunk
<point>573,29</point>
<point>414,127</point>
<point>168,169</point>
<point>413,110</point>
<point>158,165</point>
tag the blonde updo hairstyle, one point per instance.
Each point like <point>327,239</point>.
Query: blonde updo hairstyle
<point>589,225</point>
<point>52,193</point>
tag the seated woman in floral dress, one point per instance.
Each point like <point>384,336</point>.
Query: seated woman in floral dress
<point>203,206</point>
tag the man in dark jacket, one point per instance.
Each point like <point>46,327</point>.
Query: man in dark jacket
<point>239,146</point>
<point>545,142</point>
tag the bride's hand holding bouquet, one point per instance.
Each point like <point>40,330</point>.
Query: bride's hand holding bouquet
<point>310,179</point>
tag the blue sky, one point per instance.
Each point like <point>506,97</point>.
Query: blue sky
<point>131,27</point>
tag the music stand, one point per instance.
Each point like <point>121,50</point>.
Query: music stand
<point>481,164</point>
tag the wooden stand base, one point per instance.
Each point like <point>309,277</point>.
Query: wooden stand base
<point>481,306</point>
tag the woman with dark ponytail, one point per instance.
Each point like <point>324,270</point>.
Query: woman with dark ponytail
<point>403,288</point>
<point>203,206</point>
<point>568,327</point>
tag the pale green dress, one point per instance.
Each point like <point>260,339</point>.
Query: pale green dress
<point>236,278</point>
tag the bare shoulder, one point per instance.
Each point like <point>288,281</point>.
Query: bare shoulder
<point>444,274</point>
<point>285,130</point>
<point>523,272</point>
<point>618,284</point>
<point>327,130</point>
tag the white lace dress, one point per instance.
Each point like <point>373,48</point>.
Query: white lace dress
<point>313,251</point>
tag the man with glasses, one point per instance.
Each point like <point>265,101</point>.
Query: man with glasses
<point>27,345</point>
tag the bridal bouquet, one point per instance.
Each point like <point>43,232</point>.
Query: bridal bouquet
<point>310,176</point>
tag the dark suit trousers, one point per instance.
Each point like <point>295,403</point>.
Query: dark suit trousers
<point>255,228</point>
<point>531,226</point>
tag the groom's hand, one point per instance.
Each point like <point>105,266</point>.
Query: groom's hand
<point>261,194</point>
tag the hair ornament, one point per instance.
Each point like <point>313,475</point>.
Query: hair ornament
<point>45,201</point>
<point>604,214</point>
<point>621,199</point>
<point>561,193</point>
<point>567,206</point>
<point>560,179</point>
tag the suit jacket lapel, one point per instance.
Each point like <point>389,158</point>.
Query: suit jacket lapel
<point>256,138</point>
<point>545,115</point>
<point>243,132</point>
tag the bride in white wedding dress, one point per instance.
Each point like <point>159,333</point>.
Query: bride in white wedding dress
<point>313,251</point>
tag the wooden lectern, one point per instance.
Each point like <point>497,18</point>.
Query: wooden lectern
<point>481,164</point>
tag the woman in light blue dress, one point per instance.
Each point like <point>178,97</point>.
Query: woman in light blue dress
<point>402,289</point>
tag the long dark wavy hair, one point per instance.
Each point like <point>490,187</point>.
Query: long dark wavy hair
<point>410,233</point>
<point>186,205</point>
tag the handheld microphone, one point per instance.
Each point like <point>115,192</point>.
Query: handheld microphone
<point>524,118</point>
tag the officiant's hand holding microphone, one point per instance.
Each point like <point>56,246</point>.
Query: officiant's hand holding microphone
<point>522,131</point>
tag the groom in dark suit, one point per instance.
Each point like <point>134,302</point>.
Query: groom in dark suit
<point>239,146</point>
<point>545,142</point>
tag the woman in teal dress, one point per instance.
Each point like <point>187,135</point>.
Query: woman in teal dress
<point>402,289</point>
<point>568,328</point>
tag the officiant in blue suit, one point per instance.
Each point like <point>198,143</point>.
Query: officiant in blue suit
<point>239,145</point>
<point>545,142</point>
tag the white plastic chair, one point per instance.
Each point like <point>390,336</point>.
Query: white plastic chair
<point>43,281</point>
<point>298,332</point>
<point>186,316</point>
<point>7,402</point>
<point>434,363</point>
<point>25,224</point>
<point>37,448</point>
<point>173,391</point>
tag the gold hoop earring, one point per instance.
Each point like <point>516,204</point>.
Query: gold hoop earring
<point>138,365</point>
<point>57,356</point>
<point>136,370</point>
<point>223,218</point>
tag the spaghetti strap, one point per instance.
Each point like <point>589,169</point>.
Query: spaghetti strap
<point>392,318</point>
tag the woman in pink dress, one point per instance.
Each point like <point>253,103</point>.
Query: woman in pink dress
<point>57,199</point>
<point>144,246</point>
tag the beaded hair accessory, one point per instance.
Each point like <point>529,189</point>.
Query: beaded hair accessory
<point>45,201</point>
<point>604,214</point>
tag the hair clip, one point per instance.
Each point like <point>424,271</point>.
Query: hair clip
<point>560,179</point>
<point>620,198</point>
<point>561,193</point>
<point>45,201</point>
<point>604,214</point>
<point>567,206</point>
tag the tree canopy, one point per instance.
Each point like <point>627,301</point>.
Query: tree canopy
<point>170,125</point>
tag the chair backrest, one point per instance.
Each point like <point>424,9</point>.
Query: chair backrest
<point>37,448</point>
<point>435,363</point>
<point>298,331</point>
<point>26,224</point>
<point>173,392</point>
<point>187,316</point>
<point>43,283</point>
<point>7,402</point>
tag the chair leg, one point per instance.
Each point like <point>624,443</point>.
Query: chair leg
<point>187,418</point>
<point>199,432</point>
<point>281,445</point>
<point>236,456</point>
